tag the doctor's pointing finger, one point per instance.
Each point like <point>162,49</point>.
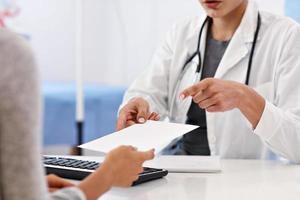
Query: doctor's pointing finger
<point>215,95</point>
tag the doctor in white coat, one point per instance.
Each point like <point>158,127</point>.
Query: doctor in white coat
<point>252,101</point>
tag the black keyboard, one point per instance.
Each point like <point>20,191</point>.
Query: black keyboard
<point>79,169</point>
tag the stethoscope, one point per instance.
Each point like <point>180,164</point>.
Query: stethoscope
<point>195,59</point>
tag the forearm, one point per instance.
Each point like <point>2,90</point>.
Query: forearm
<point>252,105</point>
<point>97,183</point>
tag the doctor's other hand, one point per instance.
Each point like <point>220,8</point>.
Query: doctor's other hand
<point>134,112</point>
<point>215,95</point>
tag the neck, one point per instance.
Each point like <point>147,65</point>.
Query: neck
<point>223,28</point>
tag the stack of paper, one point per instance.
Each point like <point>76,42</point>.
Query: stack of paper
<point>186,164</point>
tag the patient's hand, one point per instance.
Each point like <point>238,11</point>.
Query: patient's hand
<point>135,111</point>
<point>124,165</point>
<point>120,168</point>
<point>56,183</point>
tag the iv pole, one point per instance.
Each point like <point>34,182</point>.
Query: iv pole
<point>79,77</point>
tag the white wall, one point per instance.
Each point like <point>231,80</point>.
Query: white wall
<point>51,26</point>
<point>120,36</point>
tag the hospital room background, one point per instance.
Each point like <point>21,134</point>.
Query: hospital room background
<point>118,39</point>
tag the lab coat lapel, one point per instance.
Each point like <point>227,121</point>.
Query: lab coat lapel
<point>237,50</point>
<point>241,43</point>
<point>192,41</point>
<point>191,47</point>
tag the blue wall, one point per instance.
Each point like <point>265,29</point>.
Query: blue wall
<point>292,9</point>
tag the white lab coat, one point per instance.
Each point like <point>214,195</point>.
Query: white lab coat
<point>275,75</point>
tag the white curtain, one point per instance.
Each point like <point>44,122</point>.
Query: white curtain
<point>121,35</point>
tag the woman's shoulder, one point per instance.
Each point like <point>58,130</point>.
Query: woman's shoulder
<point>15,53</point>
<point>279,23</point>
<point>12,40</point>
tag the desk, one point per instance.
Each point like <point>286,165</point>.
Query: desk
<point>239,179</point>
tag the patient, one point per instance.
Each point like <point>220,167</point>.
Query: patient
<point>21,171</point>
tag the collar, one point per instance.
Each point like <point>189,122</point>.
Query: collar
<point>249,22</point>
<point>246,28</point>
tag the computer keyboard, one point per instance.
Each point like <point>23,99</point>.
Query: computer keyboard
<point>79,169</point>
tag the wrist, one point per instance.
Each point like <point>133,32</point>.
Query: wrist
<point>251,104</point>
<point>108,174</point>
<point>97,183</point>
<point>243,96</point>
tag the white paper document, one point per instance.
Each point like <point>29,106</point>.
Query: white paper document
<point>186,164</point>
<point>146,136</point>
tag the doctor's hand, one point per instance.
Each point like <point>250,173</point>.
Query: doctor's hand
<point>135,111</point>
<point>215,95</point>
